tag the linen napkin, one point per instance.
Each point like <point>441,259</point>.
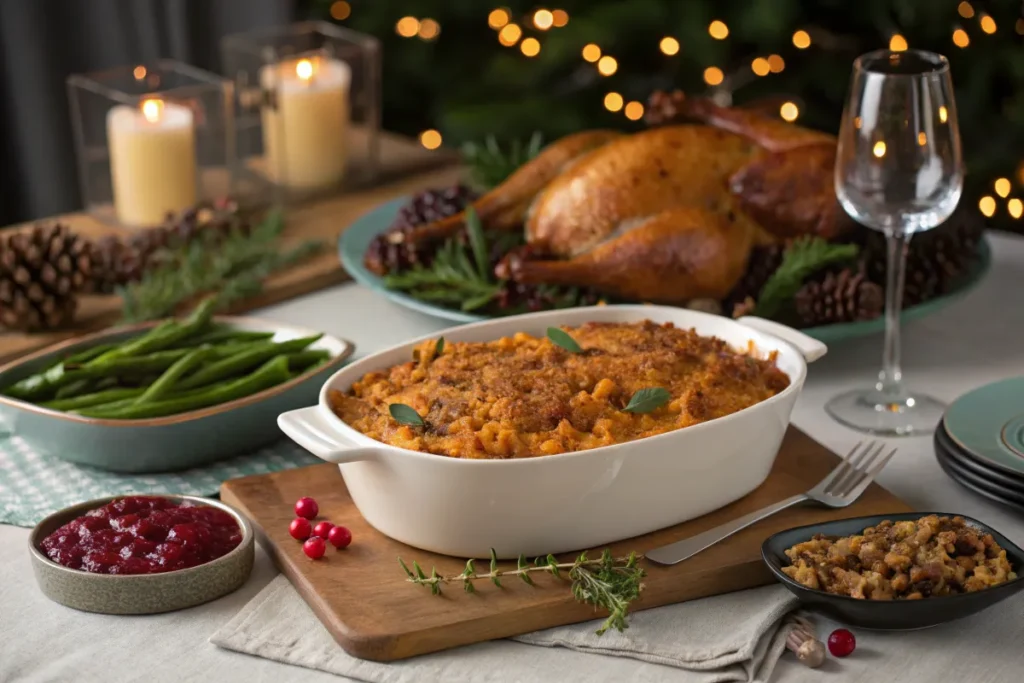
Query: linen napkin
<point>734,637</point>
<point>33,485</point>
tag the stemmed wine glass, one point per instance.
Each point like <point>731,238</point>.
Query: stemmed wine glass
<point>899,171</point>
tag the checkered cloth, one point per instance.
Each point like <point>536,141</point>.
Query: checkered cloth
<point>33,486</point>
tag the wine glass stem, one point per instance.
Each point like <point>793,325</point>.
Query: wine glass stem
<point>890,379</point>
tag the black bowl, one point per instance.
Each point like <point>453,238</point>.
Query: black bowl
<point>893,615</point>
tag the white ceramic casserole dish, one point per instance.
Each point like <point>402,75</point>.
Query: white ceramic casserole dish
<point>563,502</point>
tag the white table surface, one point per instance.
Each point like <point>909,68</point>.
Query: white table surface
<point>976,340</point>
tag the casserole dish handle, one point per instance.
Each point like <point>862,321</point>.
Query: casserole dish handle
<point>307,428</point>
<point>809,347</point>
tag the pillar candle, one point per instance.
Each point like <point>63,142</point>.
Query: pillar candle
<point>152,161</point>
<point>305,129</point>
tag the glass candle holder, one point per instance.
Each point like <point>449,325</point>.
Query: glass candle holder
<point>151,140</point>
<point>308,108</point>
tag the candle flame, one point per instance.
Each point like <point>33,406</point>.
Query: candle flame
<point>304,69</point>
<point>152,110</point>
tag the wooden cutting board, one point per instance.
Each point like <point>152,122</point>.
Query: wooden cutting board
<point>406,167</point>
<point>362,596</point>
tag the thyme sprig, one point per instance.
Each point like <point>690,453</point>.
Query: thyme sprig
<point>610,583</point>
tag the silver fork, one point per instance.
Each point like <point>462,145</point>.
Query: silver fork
<point>840,488</point>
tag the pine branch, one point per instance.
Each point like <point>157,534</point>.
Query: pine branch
<point>489,164</point>
<point>610,583</point>
<point>802,259</point>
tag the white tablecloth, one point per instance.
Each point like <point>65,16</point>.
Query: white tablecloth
<point>976,340</point>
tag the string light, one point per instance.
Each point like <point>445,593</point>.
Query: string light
<point>802,40</point>
<point>607,65</point>
<point>591,52</point>
<point>760,66</point>
<point>943,113</point>
<point>965,9</point>
<point>879,149</point>
<point>1002,186</point>
<point>713,75</point>
<point>543,19</point>
<point>718,30</point>
<point>960,38</point>
<point>407,27</point>
<point>510,35</point>
<point>340,10</point>
<point>987,205</point>
<point>430,139</point>
<point>497,18</point>
<point>669,45</point>
<point>613,101</point>
<point>897,43</point>
<point>634,111</point>
<point>988,24</point>
<point>922,139</point>
<point>429,29</point>
<point>530,47</point>
<point>139,72</point>
<point>776,63</point>
<point>560,18</point>
<point>789,111</point>
<point>1015,207</point>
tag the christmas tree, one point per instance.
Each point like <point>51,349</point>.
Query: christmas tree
<point>461,70</point>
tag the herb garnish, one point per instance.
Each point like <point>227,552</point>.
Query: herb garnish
<point>609,582</point>
<point>561,338</point>
<point>801,259</point>
<point>647,400</point>
<point>489,164</point>
<point>404,414</point>
<point>439,347</point>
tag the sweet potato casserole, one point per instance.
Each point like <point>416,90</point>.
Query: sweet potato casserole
<point>902,561</point>
<point>525,396</point>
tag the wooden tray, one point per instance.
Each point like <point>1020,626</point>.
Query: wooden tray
<point>362,596</point>
<point>323,220</point>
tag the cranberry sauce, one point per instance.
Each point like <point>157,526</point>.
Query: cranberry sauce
<point>143,535</point>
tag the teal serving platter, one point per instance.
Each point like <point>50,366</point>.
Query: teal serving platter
<point>354,241</point>
<point>988,424</point>
<point>171,443</point>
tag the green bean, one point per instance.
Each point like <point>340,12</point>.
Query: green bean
<point>165,334</point>
<point>225,334</point>
<point>298,362</point>
<point>102,410</point>
<point>165,384</point>
<point>88,354</point>
<point>272,372</point>
<point>259,353</point>
<point>76,388</point>
<point>97,399</point>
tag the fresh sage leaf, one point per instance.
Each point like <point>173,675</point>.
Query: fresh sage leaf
<point>648,400</point>
<point>561,338</point>
<point>405,415</point>
<point>439,347</point>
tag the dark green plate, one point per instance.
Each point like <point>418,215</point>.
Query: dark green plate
<point>356,238</point>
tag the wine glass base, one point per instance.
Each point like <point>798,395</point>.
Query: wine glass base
<point>871,411</point>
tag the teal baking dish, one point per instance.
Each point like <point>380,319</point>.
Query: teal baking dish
<point>163,444</point>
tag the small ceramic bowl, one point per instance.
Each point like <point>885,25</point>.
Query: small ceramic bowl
<point>170,443</point>
<point>140,593</point>
<point>894,615</point>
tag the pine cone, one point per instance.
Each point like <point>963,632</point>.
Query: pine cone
<point>42,271</point>
<point>839,297</point>
<point>937,260</point>
<point>763,262</point>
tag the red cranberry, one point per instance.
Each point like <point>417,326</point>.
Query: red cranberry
<point>300,528</point>
<point>841,643</point>
<point>314,547</point>
<point>306,507</point>
<point>322,529</point>
<point>339,536</point>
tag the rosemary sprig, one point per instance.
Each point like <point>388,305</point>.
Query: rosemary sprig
<point>802,258</point>
<point>489,164</point>
<point>610,583</point>
<point>233,268</point>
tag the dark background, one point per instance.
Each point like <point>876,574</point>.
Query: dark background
<point>464,83</point>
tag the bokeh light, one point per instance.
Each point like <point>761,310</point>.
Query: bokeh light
<point>591,52</point>
<point>634,111</point>
<point>340,10</point>
<point>898,43</point>
<point>510,35</point>
<point>718,30</point>
<point>987,205</point>
<point>789,111</point>
<point>607,65</point>
<point>429,29</point>
<point>960,38</point>
<point>802,39</point>
<point>1002,187</point>
<point>613,101</point>
<point>713,75</point>
<point>760,66</point>
<point>669,46</point>
<point>430,139</point>
<point>497,18</point>
<point>407,27</point>
<point>530,47</point>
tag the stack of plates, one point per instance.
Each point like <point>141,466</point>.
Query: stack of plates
<point>980,441</point>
